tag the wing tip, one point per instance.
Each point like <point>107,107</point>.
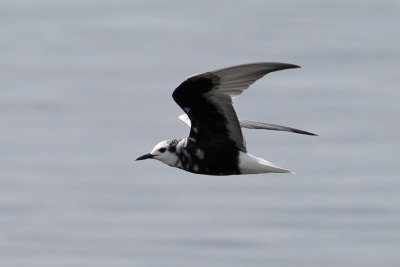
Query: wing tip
<point>280,65</point>
<point>288,65</point>
<point>277,66</point>
<point>308,133</point>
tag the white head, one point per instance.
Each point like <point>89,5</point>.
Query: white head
<point>164,152</point>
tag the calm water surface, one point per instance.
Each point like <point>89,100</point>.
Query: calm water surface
<point>86,88</point>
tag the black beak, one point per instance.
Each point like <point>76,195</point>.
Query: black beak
<point>146,156</point>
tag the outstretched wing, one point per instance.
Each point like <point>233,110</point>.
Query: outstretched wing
<point>249,124</point>
<point>207,100</point>
<point>267,126</point>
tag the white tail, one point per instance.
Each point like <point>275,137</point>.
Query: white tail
<point>249,164</point>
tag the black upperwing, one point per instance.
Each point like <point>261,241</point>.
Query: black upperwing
<point>207,100</point>
<point>208,121</point>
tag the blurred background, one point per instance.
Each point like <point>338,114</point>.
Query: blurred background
<point>86,88</point>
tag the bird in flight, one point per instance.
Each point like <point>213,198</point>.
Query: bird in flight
<point>215,145</point>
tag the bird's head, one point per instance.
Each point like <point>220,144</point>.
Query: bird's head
<point>164,152</point>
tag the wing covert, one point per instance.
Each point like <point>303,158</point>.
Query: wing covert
<point>207,100</point>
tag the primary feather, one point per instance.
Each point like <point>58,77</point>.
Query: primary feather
<point>207,100</point>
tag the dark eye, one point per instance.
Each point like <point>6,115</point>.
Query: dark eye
<point>162,150</point>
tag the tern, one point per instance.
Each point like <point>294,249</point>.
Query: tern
<point>215,145</point>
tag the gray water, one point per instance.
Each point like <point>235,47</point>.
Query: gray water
<point>86,88</point>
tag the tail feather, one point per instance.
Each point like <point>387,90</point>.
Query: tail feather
<point>249,164</point>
